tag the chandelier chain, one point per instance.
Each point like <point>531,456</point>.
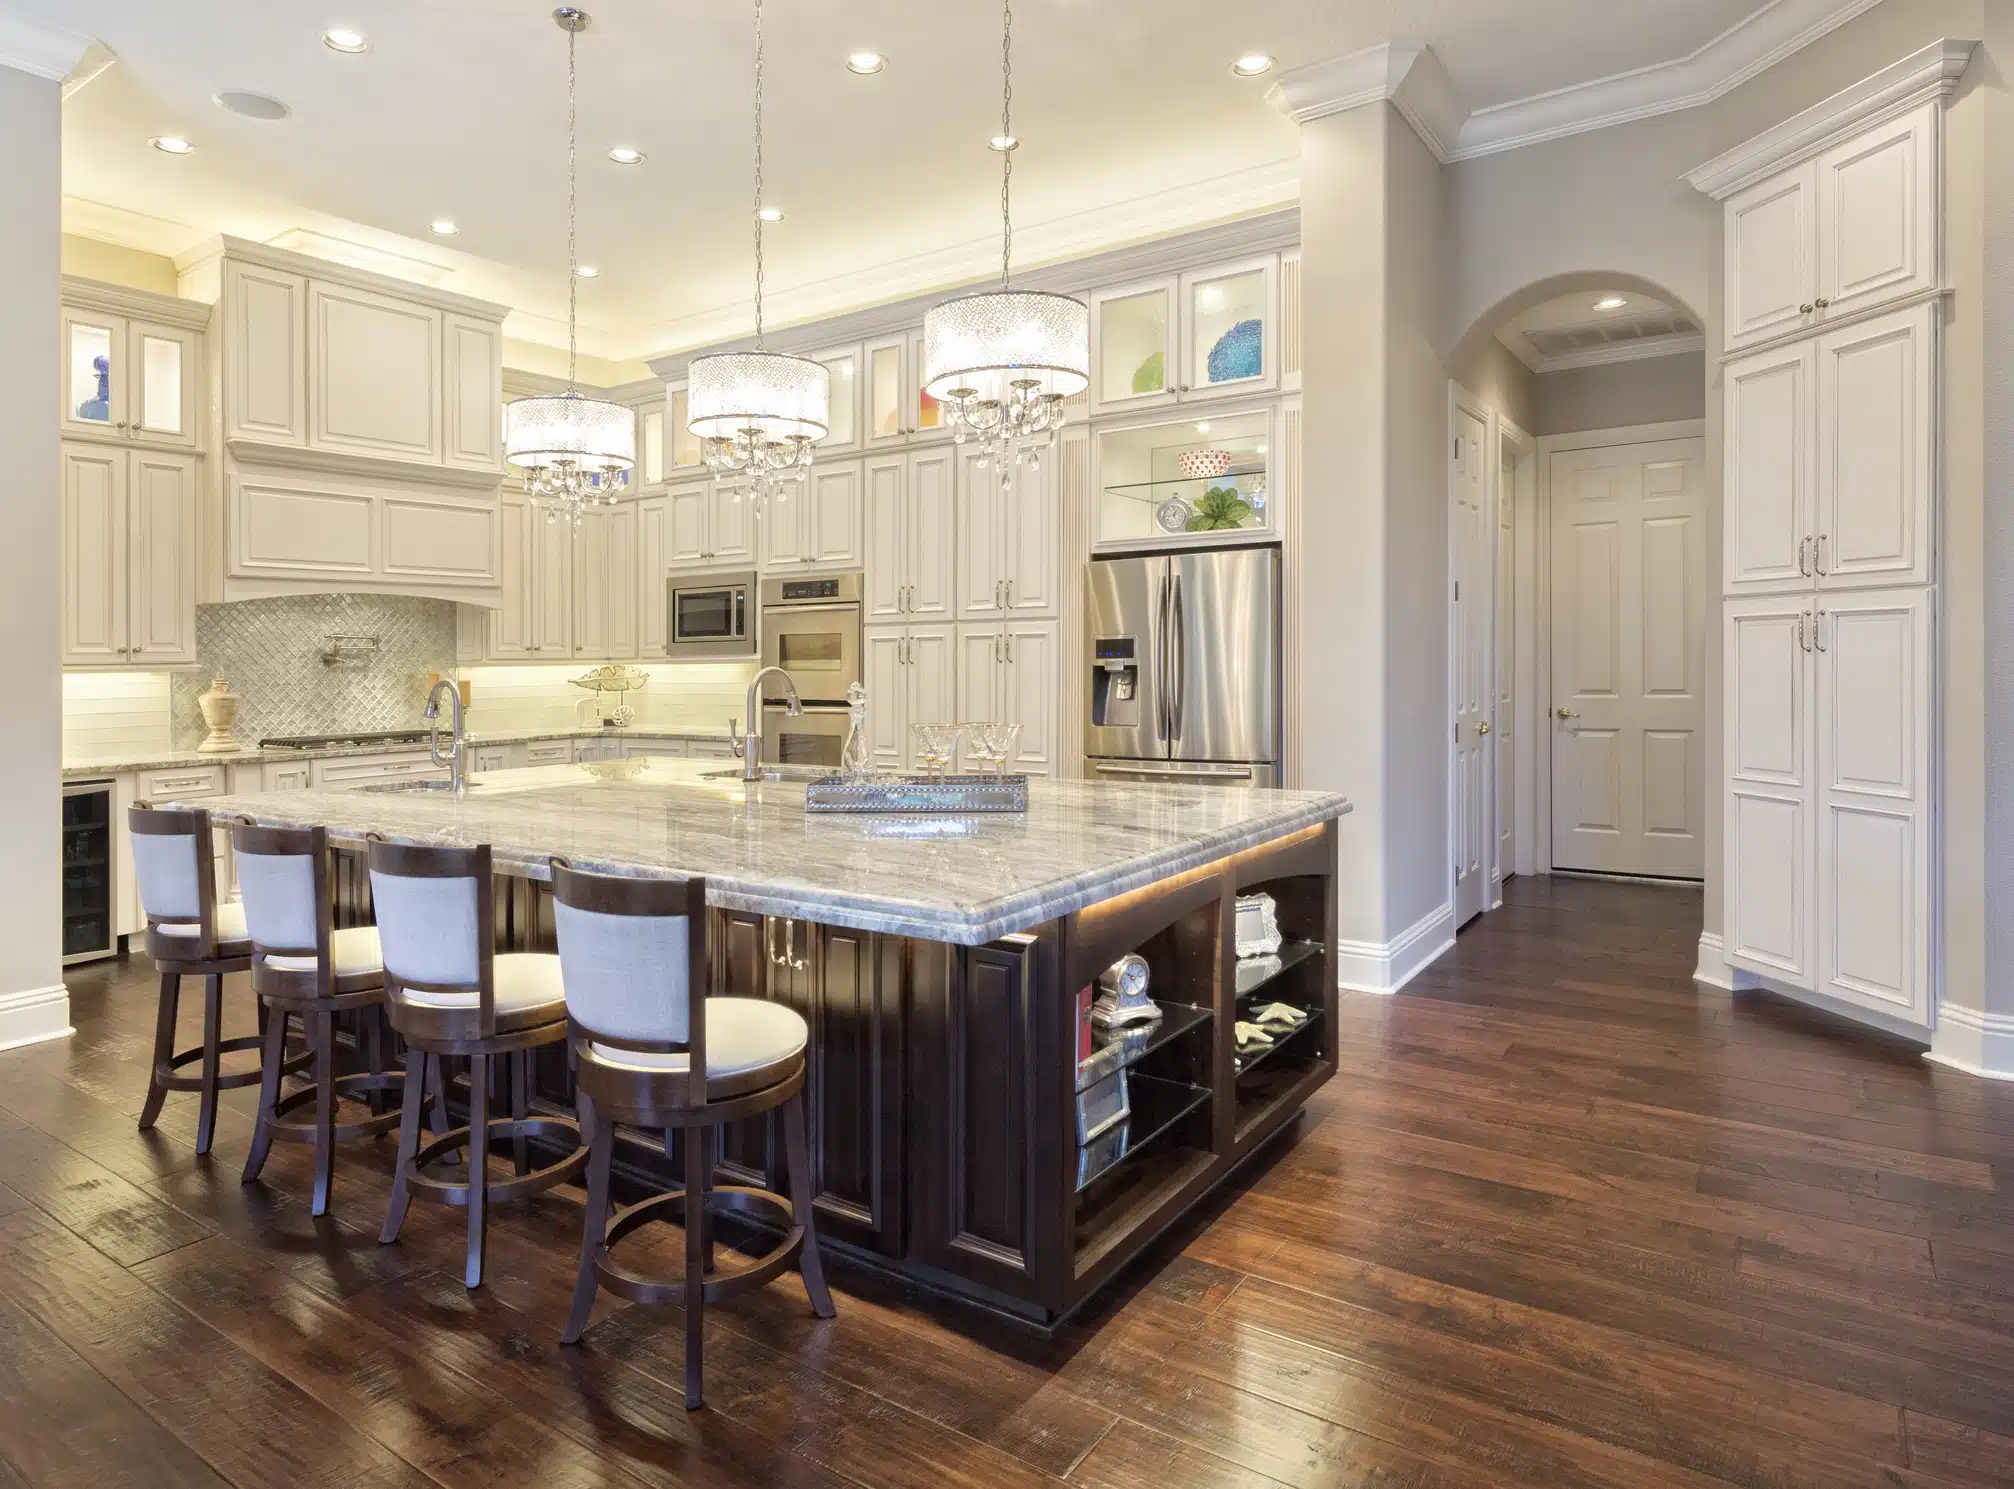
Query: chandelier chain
<point>1006,134</point>
<point>572,218</point>
<point>758,175</point>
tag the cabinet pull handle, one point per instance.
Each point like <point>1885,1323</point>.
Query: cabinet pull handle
<point>1010,594</point>
<point>1802,641</point>
<point>1818,555</point>
<point>1818,630</point>
<point>1804,555</point>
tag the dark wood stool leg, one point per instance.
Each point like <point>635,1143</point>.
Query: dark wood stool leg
<point>695,1267</point>
<point>213,1034</point>
<point>698,1171</point>
<point>478,1173</point>
<point>371,1035</point>
<point>272,1057</point>
<point>410,1102</point>
<point>438,1117</point>
<point>164,1046</point>
<point>600,1157</point>
<point>797,1159</point>
<point>520,1105</point>
<point>324,1036</point>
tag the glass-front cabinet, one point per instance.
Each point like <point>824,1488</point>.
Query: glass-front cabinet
<point>1202,334</point>
<point>899,412</point>
<point>681,445</point>
<point>127,378</point>
<point>843,421</point>
<point>1184,481</point>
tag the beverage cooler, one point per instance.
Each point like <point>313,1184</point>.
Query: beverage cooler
<point>88,873</point>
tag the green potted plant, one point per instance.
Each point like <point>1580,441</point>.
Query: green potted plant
<point>1218,509</point>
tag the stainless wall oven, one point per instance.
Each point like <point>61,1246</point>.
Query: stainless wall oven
<point>710,616</point>
<point>811,629</point>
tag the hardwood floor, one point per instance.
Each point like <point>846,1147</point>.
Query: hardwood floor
<point>1564,1218</point>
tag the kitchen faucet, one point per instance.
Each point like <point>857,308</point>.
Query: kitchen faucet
<point>457,756</point>
<point>749,746</point>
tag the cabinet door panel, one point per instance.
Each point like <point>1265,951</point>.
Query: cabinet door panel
<point>511,628</point>
<point>1768,500</point>
<point>94,554</point>
<point>785,527</point>
<point>1770,799</point>
<point>94,373</point>
<point>686,536</point>
<point>1032,555</point>
<point>375,373</point>
<point>474,383</point>
<point>588,578</point>
<point>1874,762</point>
<point>982,659</point>
<point>933,677</point>
<point>265,355</point>
<point>1875,450</point>
<point>620,580</point>
<point>887,576</point>
<point>982,537</point>
<point>832,514</point>
<point>1877,214</point>
<point>1769,236</point>
<point>855,1086</point>
<point>887,671</point>
<point>161,381</point>
<point>933,532</point>
<point>731,523</point>
<point>653,539</point>
<point>1030,687</point>
<point>1229,316</point>
<point>161,563</point>
<point>1133,345</point>
<point>552,613</point>
<point>889,408</point>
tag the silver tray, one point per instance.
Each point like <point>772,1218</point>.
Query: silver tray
<point>918,794</point>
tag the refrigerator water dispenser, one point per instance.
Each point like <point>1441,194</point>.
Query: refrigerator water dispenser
<point>1115,683</point>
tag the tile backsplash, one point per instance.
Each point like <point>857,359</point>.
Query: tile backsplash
<point>271,653</point>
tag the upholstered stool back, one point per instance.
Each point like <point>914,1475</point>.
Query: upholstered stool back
<point>436,925</point>
<point>177,877</point>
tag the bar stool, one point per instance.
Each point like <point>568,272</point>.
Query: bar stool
<point>189,934</point>
<point>449,992</point>
<point>635,956</point>
<point>302,967</point>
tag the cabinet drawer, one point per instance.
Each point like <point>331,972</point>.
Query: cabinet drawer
<point>491,757</point>
<point>357,769</point>
<point>289,777</point>
<point>708,749</point>
<point>631,748</point>
<point>549,752</point>
<point>181,785</point>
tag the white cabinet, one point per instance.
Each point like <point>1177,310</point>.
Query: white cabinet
<point>375,385</point>
<point>1202,334</point>
<point>658,745</point>
<point>294,775</point>
<point>842,423</point>
<point>710,523</point>
<point>587,751</point>
<point>535,620</point>
<point>910,674</point>
<point>1850,230</point>
<point>911,547</point>
<point>897,410</point>
<point>818,522</point>
<point>552,603</point>
<point>549,752</point>
<point>1008,674</point>
<point>359,770</point>
<point>1829,757</point>
<point>1010,541</point>
<point>129,378</point>
<point>265,372</point>
<point>653,563</point>
<point>604,583</point>
<point>129,557</point>
<point>472,383</point>
<point>1830,458</point>
<point>486,758</point>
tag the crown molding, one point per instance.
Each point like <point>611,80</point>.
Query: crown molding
<point>1622,351</point>
<point>40,49</point>
<point>1406,74</point>
<point>309,266</point>
<point>1931,73</point>
<point>117,299</point>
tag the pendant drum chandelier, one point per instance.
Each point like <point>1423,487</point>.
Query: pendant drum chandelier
<point>1002,362</point>
<point>759,413</point>
<point>575,452</point>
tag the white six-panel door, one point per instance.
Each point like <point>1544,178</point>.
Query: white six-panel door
<point>1873,662</point>
<point>1766,702</point>
<point>1470,621</point>
<point>1630,592</point>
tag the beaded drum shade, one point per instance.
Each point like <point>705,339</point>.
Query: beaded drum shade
<point>556,428</point>
<point>988,342</point>
<point>778,397</point>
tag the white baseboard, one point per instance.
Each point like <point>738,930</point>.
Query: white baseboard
<point>1713,968</point>
<point>1977,1043</point>
<point>33,1016</point>
<point>1387,966</point>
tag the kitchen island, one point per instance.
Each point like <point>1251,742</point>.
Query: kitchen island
<point>939,963</point>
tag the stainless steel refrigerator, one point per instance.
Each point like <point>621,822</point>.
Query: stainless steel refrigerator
<point>1185,667</point>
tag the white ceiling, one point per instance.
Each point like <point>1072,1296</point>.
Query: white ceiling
<point>1571,331</point>
<point>1132,126</point>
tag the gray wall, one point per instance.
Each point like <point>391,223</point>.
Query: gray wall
<point>1620,394</point>
<point>1491,371</point>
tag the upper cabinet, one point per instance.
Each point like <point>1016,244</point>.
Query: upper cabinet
<point>129,557</point>
<point>376,382</point>
<point>843,365</point>
<point>1183,481</point>
<point>1851,229</point>
<point>1200,334</point>
<point>265,323</point>
<point>817,523</point>
<point>472,386</point>
<point>131,365</point>
<point>898,411</point>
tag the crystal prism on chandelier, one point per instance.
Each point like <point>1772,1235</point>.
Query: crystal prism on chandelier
<point>575,452</point>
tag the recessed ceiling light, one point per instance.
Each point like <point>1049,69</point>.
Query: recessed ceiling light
<point>770,214</point>
<point>587,271</point>
<point>444,227</point>
<point>171,144</point>
<point>1252,64</point>
<point>1003,143</point>
<point>345,39</point>
<point>1202,429</point>
<point>865,63</point>
<point>625,155</point>
<point>250,105</point>
<point>1610,302</point>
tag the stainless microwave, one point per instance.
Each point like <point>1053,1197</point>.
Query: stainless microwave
<point>710,615</point>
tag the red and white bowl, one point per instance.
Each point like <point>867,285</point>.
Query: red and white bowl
<point>1203,465</point>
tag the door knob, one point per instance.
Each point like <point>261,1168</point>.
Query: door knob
<point>1567,713</point>
<point>1482,728</point>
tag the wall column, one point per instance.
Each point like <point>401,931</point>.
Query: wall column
<point>33,1002</point>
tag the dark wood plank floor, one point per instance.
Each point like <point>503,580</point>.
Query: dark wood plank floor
<point>1563,1219</point>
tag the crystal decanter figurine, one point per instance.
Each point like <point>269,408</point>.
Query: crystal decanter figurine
<point>855,759</point>
<point>99,407</point>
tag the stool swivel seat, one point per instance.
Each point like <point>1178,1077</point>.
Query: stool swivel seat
<point>190,934</point>
<point>302,967</point>
<point>651,1050</point>
<point>449,992</point>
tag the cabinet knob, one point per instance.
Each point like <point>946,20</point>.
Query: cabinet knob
<point>123,424</point>
<point>1805,309</point>
<point>1821,303</point>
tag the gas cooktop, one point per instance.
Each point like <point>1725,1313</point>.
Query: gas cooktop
<point>343,740</point>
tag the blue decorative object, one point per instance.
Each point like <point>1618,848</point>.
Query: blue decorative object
<point>99,408</point>
<point>1239,353</point>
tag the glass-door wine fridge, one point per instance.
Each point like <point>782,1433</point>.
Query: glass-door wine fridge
<point>88,870</point>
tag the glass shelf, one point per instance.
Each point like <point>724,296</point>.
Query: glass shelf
<point>1137,1043</point>
<point>1158,1107</point>
<point>1159,491</point>
<point>1246,1064</point>
<point>1255,972</point>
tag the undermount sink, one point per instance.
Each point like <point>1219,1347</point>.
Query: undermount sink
<point>771,773</point>
<point>408,788</point>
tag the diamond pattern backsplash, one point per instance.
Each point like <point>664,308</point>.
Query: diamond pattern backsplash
<point>270,651</point>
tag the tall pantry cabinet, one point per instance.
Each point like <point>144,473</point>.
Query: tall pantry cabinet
<point>1834,303</point>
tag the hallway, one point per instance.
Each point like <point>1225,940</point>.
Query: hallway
<point>1564,1218</point>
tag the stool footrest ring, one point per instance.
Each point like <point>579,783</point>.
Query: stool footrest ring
<point>164,1072</point>
<point>501,1129</point>
<point>718,1283</point>
<point>284,1127</point>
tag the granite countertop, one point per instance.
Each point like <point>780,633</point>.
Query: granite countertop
<point>77,768</point>
<point>967,880</point>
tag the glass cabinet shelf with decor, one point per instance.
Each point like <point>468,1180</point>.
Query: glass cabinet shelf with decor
<point>1205,333</point>
<point>1185,481</point>
<point>128,378</point>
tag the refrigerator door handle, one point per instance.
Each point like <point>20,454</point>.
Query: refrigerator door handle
<point>1178,660</point>
<point>1159,641</point>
